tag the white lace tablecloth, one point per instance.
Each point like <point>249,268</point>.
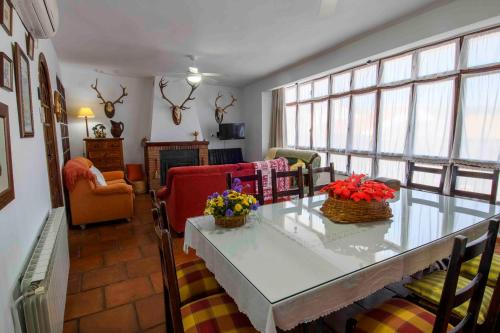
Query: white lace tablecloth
<point>282,271</point>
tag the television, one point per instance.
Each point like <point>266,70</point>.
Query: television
<point>231,131</point>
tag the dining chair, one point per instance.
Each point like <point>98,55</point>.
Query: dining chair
<point>213,313</point>
<point>492,175</point>
<point>417,168</point>
<point>401,315</point>
<point>154,199</point>
<point>314,171</point>
<point>257,178</point>
<point>298,190</point>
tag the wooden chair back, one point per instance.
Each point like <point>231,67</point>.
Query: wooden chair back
<point>430,188</point>
<point>493,176</point>
<point>171,294</point>
<point>473,292</point>
<point>310,177</point>
<point>299,190</point>
<point>257,178</point>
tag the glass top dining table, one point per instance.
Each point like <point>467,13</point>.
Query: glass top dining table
<point>289,248</point>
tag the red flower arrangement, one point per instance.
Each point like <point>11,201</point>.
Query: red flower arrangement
<point>357,188</point>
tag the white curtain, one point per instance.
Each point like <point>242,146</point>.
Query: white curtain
<point>361,165</point>
<point>397,69</point>
<point>393,120</point>
<point>392,169</point>
<point>290,120</point>
<point>341,83</point>
<point>481,49</point>
<point>304,125</point>
<point>478,123</point>
<point>320,87</point>
<point>365,77</point>
<point>363,122</point>
<point>320,124</point>
<point>339,122</point>
<point>339,161</point>
<point>433,112</point>
<point>437,60</point>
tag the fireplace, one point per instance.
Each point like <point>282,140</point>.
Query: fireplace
<point>176,158</point>
<point>174,154</point>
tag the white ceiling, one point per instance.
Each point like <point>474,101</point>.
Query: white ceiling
<point>241,39</point>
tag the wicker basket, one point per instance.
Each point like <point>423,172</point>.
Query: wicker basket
<point>230,221</point>
<point>349,211</point>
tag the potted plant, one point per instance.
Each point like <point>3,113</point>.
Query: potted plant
<point>357,199</point>
<point>231,208</point>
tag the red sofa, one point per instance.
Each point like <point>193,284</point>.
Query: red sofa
<point>187,189</point>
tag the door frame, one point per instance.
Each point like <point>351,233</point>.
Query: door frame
<point>54,187</point>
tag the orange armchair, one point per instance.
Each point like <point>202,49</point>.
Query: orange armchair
<point>91,203</point>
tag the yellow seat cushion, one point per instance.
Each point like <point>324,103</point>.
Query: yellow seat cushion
<point>396,315</point>
<point>429,288</point>
<point>196,281</point>
<point>297,164</point>
<point>216,313</point>
<point>469,269</point>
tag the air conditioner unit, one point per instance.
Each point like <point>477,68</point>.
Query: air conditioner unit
<point>40,17</point>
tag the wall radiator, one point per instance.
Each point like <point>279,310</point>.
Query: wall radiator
<point>44,283</point>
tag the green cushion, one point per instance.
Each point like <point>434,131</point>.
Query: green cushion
<point>429,288</point>
<point>469,269</point>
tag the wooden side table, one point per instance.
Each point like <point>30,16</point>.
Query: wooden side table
<point>106,154</point>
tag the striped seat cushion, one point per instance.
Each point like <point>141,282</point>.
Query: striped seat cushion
<point>429,288</point>
<point>396,315</point>
<point>216,313</point>
<point>196,281</point>
<point>469,269</point>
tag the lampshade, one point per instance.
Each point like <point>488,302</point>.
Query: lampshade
<point>85,112</point>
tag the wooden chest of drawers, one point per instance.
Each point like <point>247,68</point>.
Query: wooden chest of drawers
<point>106,154</point>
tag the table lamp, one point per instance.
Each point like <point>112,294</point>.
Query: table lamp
<point>86,113</point>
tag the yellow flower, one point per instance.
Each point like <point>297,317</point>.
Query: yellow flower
<point>220,203</point>
<point>237,207</point>
<point>245,202</point>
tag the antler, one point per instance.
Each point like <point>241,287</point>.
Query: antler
<point>230,104</point>
<point>219,96</point>
<point>94,86</point>
<point>124,93</point>
<point>162,85</point>
<point>189,98</point>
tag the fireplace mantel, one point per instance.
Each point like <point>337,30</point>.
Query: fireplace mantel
<point>152,157</point>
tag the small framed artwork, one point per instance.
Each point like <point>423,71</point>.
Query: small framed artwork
<point>23,92</point>
<point>6,178</point>
<point>6,16</point>
<point>58,105</point>
<point>30,46</point>
<point>6,72</point>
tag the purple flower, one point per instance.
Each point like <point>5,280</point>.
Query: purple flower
<point>225,193</point>
<point>238,188</point>
<point>236,181</point>
<point>215,195</point>
<point>229,212</point>
<point>210,197</point>
<point>254,206</point>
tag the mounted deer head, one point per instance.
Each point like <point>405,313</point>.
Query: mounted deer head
<point>109,106</point>
<point>177,109</point>
<point>220,110</point>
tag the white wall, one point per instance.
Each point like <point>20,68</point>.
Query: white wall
<point>436,24</point>
<point>22,218</point>
<point>135,112</point>
<point>200,117</point>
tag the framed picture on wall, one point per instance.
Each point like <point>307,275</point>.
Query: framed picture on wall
<point>6,16</point>
<point>6,179</point>
<point>6,72</point>
<point>30,46</point>
<point>23,92</point>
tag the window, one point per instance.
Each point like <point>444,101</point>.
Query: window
<point>339,122</point>
<point>304,125</point>
<point>320,124</point>
<point>321,87</point>
<point>397,69</point>
<point>365,77</point>
<point>393,120</point>
<point>341,83</point>
<point>437,59</point>
<point>290,119</point>
<point>305,91</point>
<point>433,116</point>
<point>363,122</point>
<point>480,118</point>
<point>439,104</point>
<point>482,49</point>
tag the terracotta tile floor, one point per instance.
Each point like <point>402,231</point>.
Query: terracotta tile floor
<point>115,276</point>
